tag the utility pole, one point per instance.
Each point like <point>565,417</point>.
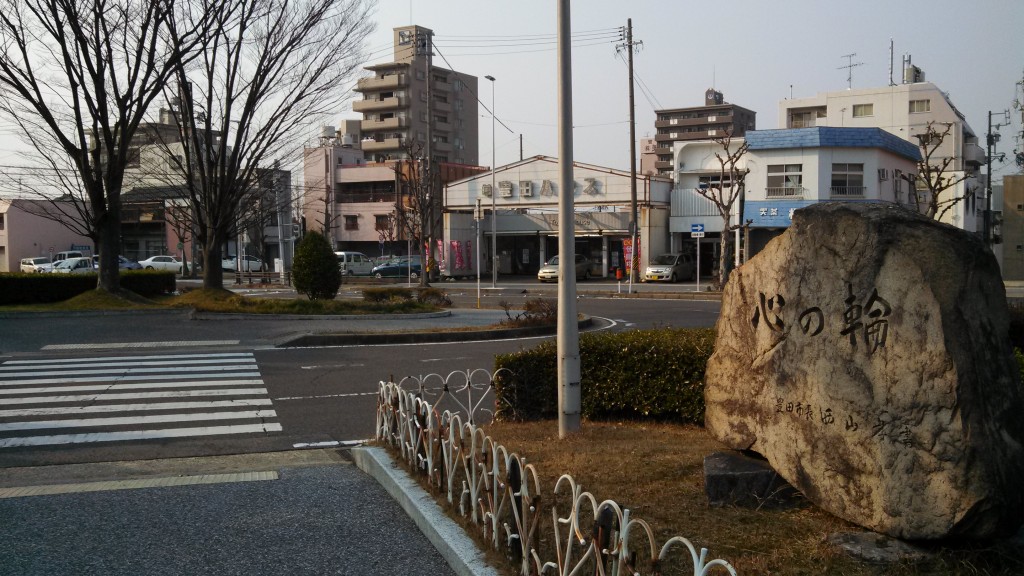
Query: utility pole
<point>634,266</point>
<point>568,338</point>
<point>990,141</point>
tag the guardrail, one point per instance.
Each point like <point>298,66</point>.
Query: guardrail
<point>501,493</point>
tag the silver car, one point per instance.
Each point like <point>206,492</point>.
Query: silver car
<point>549,272</point>
<point>671,268</point>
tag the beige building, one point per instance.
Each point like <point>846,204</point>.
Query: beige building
<point>904,110</point>
<point>1012,227</point>
<point>410,101</point>
<point>25,232</point>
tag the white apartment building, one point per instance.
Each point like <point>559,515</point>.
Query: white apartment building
<point>905,111</point>
<point>26,232</point>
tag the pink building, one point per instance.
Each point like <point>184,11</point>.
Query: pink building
<point>25,232</point>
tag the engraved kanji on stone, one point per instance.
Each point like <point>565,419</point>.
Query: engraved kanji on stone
<point>769,309</point>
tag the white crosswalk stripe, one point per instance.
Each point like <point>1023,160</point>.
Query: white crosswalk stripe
<point>132,398</point>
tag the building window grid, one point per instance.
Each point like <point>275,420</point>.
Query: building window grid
<point>920,106</point>
<point>351,222</point>
<point>847,180</point>
<point>863,110</point>
<point>785,180</point>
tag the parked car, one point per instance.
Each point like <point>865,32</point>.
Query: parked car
<point>249,264</point>
<point>352,263</point>
<point>549,271</point>
<point>397,270</point>
<point>37,264</point>
<point>161,263</point>
<point>81,265</point>
<point>122,263</point>
<point>671,267</point>
<point>65,255</point>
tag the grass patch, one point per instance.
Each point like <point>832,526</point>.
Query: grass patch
<point>225,301</point>
<point>656,470</point>
<point>91,300</point>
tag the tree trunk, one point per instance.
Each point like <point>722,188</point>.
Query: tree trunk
<point>214,276</point>
<point>723,257</point>
<point>109,248</point>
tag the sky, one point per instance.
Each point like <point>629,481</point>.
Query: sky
<point>756,52</point>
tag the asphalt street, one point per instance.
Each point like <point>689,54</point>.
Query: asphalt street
<point>319,518</point>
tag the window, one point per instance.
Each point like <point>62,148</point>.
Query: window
<point>441,119</point>
<point>352,222</point>
<point>457,85</point>
<point>705,182</point>
<point>847,180</point>
<point>382,222</point>
<point>918,106</point>
<point>863,110</point>
<point>440,99</point>
<point>1,221</point>
<point>420,75</point>
<point>785,180</point>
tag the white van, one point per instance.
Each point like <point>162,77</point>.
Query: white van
<point>354,263</point>
<point>61,256</point>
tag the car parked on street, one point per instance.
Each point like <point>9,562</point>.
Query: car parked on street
<point>37,264</point>
<point>354,263</point>
<point>671,268</point>
<point>80,265</point>
<point>397,270</point>
<point>161,263</point>
<point>249,264</point>
<point>549,271</point>
<point>122,263</point>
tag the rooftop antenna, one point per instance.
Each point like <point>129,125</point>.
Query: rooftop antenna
<point>891,83</point>
<point>849,68</point>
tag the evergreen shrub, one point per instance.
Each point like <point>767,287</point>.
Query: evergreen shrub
<point>639,374</point>
<point>315,270</point>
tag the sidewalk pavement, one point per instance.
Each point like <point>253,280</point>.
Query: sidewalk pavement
<point>303,512</point>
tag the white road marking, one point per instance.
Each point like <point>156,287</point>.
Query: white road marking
<point>445,359</point>
<point>133,420</point>
<point>169,363</point>
<point>137,435</point>
<point>135,386</point>
<point>167,344</point>
<point>331,443</point>
<point>351,394</point>
<point>101,408</point>
<point>133,378</point>
<point>134,396</point>
<point>319,366</point>
<point>132,358</point>
<point>127,371</point>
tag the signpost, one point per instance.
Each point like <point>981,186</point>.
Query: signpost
<point>697,231</point>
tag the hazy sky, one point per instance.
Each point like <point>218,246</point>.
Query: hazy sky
<point>751,50</point>
<point>757,52</point>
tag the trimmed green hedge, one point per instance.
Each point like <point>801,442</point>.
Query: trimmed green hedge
<point>37,288</point>
<point>386,294</point>
<point>643,373</point>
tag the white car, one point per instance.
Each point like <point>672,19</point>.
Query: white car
<point>81,265</point>
<point>161,263</point>
<point>37,264</point>
<point>249,264</point>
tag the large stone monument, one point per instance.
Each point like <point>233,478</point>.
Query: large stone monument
<point>865,354</point>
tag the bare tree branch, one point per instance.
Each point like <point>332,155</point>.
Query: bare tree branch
<point>724,192</point>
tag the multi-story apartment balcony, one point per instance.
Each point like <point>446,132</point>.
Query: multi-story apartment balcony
<point>377,104</point>
<point>442,147</point>
<point>845,192</point>
<point>663,151</point>
<point>783,192</point>
<point>381,145</point>
<point>725,118</point>
<point>386,124</point>
<point>436,84</point>
<point>440,106</point>
<point>661,165</point>
<point>974,155</point>
<point>389,82</point>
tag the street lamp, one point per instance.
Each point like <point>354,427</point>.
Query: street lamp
<point>494,192</point>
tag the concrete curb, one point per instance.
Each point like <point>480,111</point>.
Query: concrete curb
<point>234,316</point>
<point>317,340</point>
<point>450,540</point>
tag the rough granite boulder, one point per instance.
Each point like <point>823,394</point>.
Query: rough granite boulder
<point>865,354</point>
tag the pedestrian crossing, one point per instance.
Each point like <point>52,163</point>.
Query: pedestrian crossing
<point>63,401</point>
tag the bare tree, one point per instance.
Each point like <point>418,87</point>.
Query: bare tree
<point>275,67</point>
<point>936,174</point>
<point>724,191</point>
<point>416,206</point>
<point>76,78</point>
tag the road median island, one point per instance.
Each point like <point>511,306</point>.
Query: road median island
<point>423,336</point>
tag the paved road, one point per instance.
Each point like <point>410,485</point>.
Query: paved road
<point>322,517</point>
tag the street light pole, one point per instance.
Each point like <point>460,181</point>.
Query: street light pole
<point>494,192</point>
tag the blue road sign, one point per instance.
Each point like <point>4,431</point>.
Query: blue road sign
<point>696,227</point>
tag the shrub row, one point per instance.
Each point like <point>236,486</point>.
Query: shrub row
<point>644,373</point>
<point>21,288</point>
<point>391,294</point>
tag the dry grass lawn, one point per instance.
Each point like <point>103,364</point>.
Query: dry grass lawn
<point>656,471</point>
